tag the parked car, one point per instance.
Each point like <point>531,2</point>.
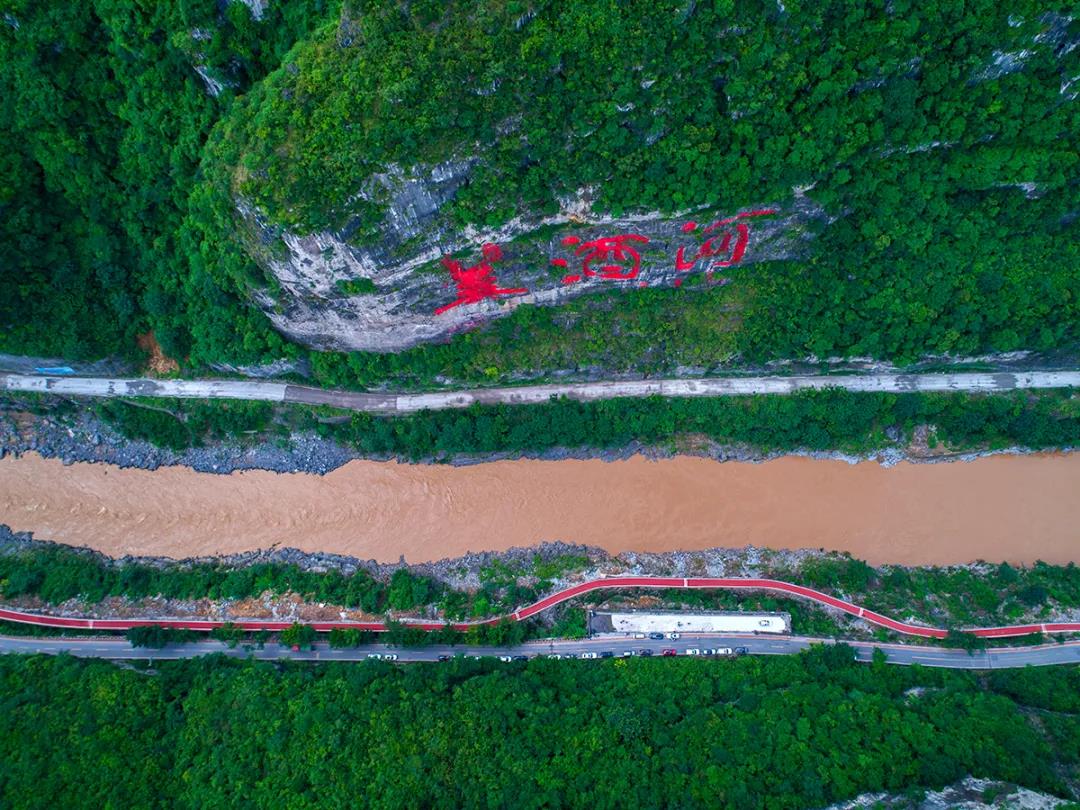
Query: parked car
<point>669,653</point>
<point>589,655</point>
<point>374,656</point>
<point>389,657</point>
<point>646,652</point>
<point>639,635</point>
<point>444,657</point>
<point>724,651</point>
<point>569,655</point>
<point>628,653</point>
<point>521,658</point>
<point>695,651</point>
<point>656,636</point>
<point>506,659</point>
<point>607,654</point>
<point>674,635</point>
<point>556,656</point>
<point>742,650</point>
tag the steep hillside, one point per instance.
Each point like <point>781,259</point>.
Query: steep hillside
<point>918,166</point>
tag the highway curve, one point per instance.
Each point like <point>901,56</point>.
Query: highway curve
<point>390,403</point>
<point>732,583</point>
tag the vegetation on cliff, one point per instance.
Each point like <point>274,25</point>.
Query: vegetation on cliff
<point>941,142</point>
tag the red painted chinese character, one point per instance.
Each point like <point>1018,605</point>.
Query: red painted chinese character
<point>476,283</point>
<point>724,249</point>
<point>619,260</point>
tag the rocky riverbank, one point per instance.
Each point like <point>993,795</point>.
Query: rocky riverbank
<point>77,434</point>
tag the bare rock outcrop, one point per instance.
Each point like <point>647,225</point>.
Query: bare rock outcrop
<point>417,277</point>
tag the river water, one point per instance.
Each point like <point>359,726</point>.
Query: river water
<point>1017,508</point>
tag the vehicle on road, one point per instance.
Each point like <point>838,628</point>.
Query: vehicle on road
<point>674,636</point>
<point>444,658</point>
<point>589,655</point>
<point>569,655</point>
<point>639,635</point>
<point>645,652</point>
<point>521,658</point>
<point>628,653</point>
<point>607,654</point>
<point>389,657</point>
<point>506,659</point>
<point>742,650</point>
<point>374,656</point>
<point>554,656</point>
<point>669,652</point>
<point>656,636</point>
<point>695,651</point>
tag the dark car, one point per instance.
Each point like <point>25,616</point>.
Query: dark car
<point>742,650</point>
<point>645,652</point>
<point>657,636</point>
<point>521,658</point>
<point>444,657</point>
<point>607,654</point>
<point>669,653</point>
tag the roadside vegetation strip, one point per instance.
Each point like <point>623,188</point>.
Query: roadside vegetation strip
<point>388,403</point>
<point>45,620</point>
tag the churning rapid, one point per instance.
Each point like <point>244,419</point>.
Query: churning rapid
<point>1016,508</point>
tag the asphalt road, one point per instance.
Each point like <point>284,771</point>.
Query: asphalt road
<point>120,649</point>
<point>389,403</point>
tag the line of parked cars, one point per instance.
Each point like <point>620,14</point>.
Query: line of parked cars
<point>644,652</point>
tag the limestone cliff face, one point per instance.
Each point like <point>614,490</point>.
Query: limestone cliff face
<point>422,279</point>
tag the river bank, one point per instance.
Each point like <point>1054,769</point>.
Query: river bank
<point>79,435</point>
<point>286,584</point>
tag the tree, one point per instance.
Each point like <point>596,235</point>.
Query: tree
<point>298,635</point>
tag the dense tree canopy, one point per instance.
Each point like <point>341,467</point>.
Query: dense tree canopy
<point>779,733</point>
<point>103,119</point>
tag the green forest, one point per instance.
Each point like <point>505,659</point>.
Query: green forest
<point>788,732</point>
<point>941,141</point>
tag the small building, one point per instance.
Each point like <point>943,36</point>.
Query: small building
<point>656,621</point>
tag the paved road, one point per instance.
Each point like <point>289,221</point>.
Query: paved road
<point>389,403</point>
<point>604,583</point>
<point>120,649</point>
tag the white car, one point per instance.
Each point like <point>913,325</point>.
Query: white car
<point>628,653</point>
<point>556,656</point>
<point>589,655</point>
<point>389,657</point>
<point>505,659</point>
<point>694,651</point>
<point>640,635</point>
<point>725,651</point>
<point>374,656</point>
<point>674,635</point>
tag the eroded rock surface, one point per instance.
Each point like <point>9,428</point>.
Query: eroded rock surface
<point>420,278</point>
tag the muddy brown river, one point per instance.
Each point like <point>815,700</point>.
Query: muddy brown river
<point>1017,508</point>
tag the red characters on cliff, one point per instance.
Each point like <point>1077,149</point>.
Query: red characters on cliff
<point>612,257</point>
<point>476,283</point>
<point>722,248</point>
